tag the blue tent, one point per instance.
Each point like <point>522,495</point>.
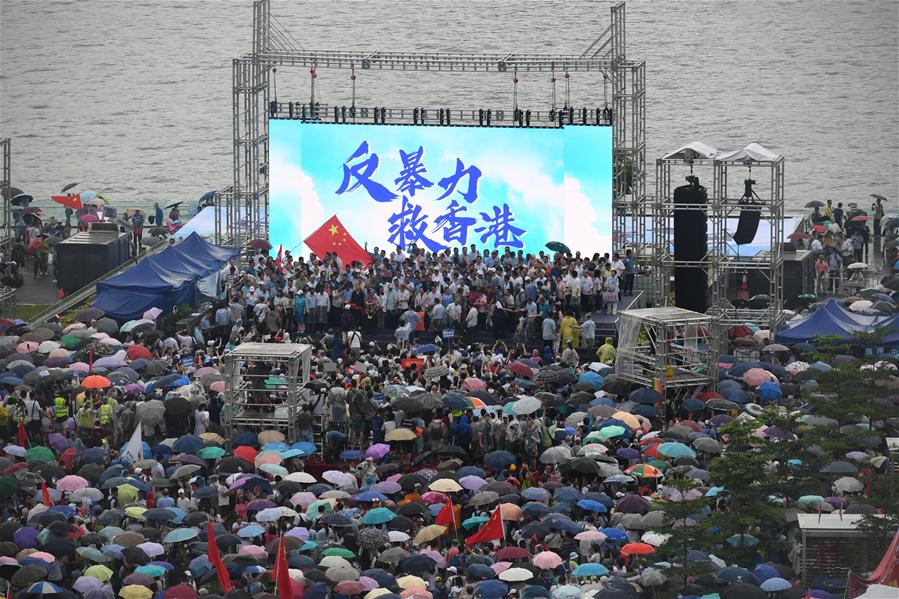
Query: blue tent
<point>163,280</point>
<point>817,324</point>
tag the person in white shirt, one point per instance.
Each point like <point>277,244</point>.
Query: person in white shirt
<point>471,319</point>
<point>588,331</point>
<point>816,245</point>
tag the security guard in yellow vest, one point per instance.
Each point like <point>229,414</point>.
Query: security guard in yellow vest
<point>85,421</point>
<point>60,412</point>
<point>104,417</point>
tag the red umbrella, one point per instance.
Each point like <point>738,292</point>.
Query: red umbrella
<point>707,395</point>
<point>739,330</point>
<point>798,236</point>
<point>474,384</point>
<point>508,554</point>
<point>246,452</point>
<point>861,218</point>
<point>96,381</point>
<point>637,549</point>
<point>138,351</point>
<point>181,591</point>
<point>819,228</point>
<point>521,370</point>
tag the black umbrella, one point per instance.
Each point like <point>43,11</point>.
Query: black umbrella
<point>385,579</point>
<point>418,564</point>
<point>409,482</point>
<point>400,523</point>
<point>558,246</point>
<point>582,465</point>
<point>89,314</point>
<point>411,509</point>
<point>60,548</point>
<point>28,575</point>
<point>136,556</point>
<point>615,385</point>
<point>452,450</point>
<point>156,368</point>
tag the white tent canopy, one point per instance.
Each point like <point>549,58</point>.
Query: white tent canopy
<point>699,150</point>
<point>691,151</point>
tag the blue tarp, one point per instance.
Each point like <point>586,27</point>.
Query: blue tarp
<point>832,319</point>
<point>163,280</point>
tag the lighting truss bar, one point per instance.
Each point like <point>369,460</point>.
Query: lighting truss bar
<point>431,116</point>
<point>430,61</point>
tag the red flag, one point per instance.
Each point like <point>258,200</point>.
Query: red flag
<point>23,436</point>
<point>46,494</point>
<point>278,259</point>
<point>216,561</point>
<point>71,200</point>
<point>281,573</point>
<point>492,530</point>
<point>446,516</point>
<point>333,237</point>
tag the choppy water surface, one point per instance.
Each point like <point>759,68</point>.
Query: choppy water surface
<point>134,98</point>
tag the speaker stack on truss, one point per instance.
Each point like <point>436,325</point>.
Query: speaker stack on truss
<point>714,275</point>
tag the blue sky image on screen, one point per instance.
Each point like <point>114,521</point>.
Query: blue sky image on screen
<point>535,185</point>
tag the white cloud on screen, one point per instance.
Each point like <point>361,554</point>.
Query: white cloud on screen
<point>583,230</point>
<point>295,192</point>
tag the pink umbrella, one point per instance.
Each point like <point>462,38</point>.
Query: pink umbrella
<point>89,218</point>
<point>590,535</point>
<point>80,367</point>
<point>394,478</point>
<point>43,556</point>
<point>253,550</point>
<point>268,457</point>
<point>432,497</point>
<point>201,372</point>
<point>501,566</point>
<point>547,560</point>
<point>26,347</point>
<point>434,555</point>
<point>303,498</point>
<point>368,582</point>
<point>72,483</point>
<point>349,587</point>
<point>341,479</point>
<point>415,593</point>
<point>152,314</point>
<point>59,353</point>
<point>217,386</point>
<point>754,377</point>
<point>377,451</point>
<point>474,384</point>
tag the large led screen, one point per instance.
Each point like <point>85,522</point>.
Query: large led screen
<point>387,187</point>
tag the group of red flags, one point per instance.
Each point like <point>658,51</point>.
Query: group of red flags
<point>281,572</point>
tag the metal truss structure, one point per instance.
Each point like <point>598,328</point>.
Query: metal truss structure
<point>246,203</point>
<point>5,184</point>
<point>730,266</point>
<point>263,386</point>
<point>669,346</point>
<point>723,261</point>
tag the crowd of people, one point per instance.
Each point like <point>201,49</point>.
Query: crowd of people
<point>446,461</point>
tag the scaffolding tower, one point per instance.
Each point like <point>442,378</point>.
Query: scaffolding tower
<point>245,216</point>
<point>668,348</point>
<point>726,266</point>
<point>264,386</point>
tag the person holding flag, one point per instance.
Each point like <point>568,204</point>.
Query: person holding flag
<point>493,529</point>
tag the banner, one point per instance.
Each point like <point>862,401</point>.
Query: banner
<point>351,189</point>
<point>134,449</point>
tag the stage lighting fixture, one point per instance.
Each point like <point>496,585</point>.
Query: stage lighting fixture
<point>290,110</point>
<point>584,115</point>
<point>336,115</point>
<point>303,112</point>
<point>375,113</point>
<point>273,108</point>
<point>343,113</point>
<point>383,114</point>
<point>422,114</point>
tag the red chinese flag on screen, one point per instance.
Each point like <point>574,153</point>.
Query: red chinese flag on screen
<point>332,237</point>
<point>72,201</point>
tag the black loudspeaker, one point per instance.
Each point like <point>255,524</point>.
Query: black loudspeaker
<point>747,226</point>
<point>690,243</point>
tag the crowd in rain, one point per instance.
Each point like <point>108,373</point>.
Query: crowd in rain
<point>426,465</point>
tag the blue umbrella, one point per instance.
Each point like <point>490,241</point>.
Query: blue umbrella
<point>491,589</point>
<point>474,521</point>
<point>647,411</point>
<point>534,591</point>
<point>534,509</point>
<point>693,404</point>
<point>480,571</point>
<point>499,459</point>
<point>614,534</point>
<point>292,453</point>
<point>371,496</point>
<point>591,378</point>
<point>305,446</point>
<point>587,570</point>
<point>180,535</point>
<point>94,455</point>
<point>385,579</point>
<point>44,588</point>
<point>248,532</point>
<point>188,444</point>
<point>763,572</point>
<point>773,585</point>
<point>569,494</point>
<point>645,396</point>
<point>470,471</point>
<point>454,401</point>
<point>278,446</point>
<point>351,454</point>
<point>769,392</point>
<point>379,515</point>
<point>592,506</point>
<point>535,494</point>
<point>244,438</point>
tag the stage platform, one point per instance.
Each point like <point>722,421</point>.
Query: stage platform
<point>607,324</point>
